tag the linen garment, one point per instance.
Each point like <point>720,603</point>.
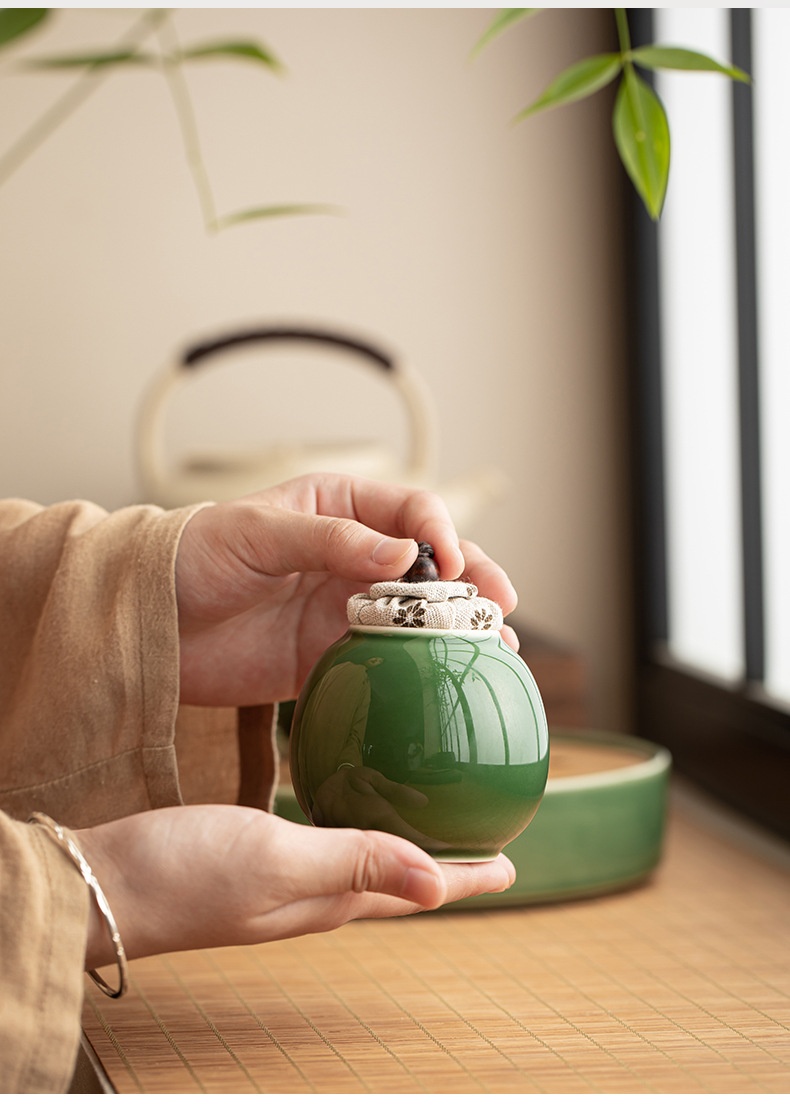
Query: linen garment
<point>90,731</point>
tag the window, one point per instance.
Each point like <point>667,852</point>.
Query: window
<point>712,407</point>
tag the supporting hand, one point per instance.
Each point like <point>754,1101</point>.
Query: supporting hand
<point>216,875</point>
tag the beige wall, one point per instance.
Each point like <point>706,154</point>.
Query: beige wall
<point>487,254</point>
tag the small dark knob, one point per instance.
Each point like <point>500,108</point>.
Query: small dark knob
<point>424,568</point>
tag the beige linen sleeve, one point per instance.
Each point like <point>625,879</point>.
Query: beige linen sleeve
<point>88,660</point>
<point>89,722</point>
<point>43,918</point>
<point>88,703</point>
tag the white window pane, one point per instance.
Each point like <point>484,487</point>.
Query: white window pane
<point>772,157</point>
<point>699,347</point>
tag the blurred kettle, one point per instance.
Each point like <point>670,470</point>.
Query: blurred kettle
<point>228,474</point>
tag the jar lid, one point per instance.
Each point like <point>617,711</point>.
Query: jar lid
<point>425,605</point>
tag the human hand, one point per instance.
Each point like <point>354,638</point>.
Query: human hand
<point>202,876</point>
<point>262,582</point>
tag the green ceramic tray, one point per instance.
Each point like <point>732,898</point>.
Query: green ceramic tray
<point>600,826</point>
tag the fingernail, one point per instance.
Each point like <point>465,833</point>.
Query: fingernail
<point>391,551</point>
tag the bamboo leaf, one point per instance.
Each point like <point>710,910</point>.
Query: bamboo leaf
<point>501,21</point>
<point>641,133</point>
<point>16,22</point>
<point>248,51</point>
<point>678,58</point>
<point>267,212</point>
<point>95,60</point>
<point>580,80</point>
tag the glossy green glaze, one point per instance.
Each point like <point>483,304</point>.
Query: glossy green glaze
<point>594,833</point>
<point>439,737</point>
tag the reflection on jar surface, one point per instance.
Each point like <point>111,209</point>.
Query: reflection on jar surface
<point>440,737</point>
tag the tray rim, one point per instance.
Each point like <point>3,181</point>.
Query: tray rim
<point>657,760</point>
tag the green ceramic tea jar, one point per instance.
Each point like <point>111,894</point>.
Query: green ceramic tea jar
<point>423,722</point>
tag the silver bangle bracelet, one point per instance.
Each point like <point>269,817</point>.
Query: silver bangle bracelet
<point>68,844</point>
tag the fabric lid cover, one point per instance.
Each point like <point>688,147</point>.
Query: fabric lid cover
<point>425,605</point>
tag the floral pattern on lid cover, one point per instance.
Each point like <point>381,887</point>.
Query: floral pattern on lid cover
<point>424,605</point>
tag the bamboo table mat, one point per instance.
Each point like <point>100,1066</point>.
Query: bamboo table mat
<point>679,986</point>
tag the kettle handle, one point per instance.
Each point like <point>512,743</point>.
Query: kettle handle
<point>199,352</point>
<point>421,463</point>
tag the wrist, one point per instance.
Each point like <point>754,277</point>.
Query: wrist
<point>67,842</point>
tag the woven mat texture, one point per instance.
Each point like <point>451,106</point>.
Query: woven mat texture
<point>679,986</point>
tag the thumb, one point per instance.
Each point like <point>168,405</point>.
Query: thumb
<point>338,861</point>
<point>335,861</point>
<point>284,541</point>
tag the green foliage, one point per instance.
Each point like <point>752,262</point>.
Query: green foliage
<point>269,211</point>
<point>167,57</point>
<point>639,122</point>
<point>244,51</point>
<point>641,133</point>
<point>578,81</point>
<point>94,60</point>
<point>678,58</point>
<point>501,21</point>
<point>16,22</point>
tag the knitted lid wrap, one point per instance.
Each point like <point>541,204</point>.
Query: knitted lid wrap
<point>424,605</point>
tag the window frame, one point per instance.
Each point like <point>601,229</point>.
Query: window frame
<point>731,739</point>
